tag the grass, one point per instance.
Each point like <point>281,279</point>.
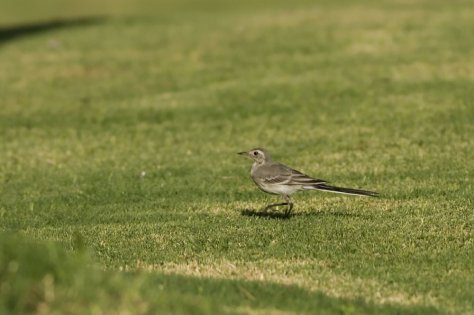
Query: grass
<point>61,283</point>
<point>121,131</point>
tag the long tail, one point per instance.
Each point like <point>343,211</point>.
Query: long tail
<point>343,190</point>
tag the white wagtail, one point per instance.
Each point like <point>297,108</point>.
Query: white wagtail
<point>276,178</point>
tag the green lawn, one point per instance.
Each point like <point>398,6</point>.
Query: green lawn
<point>121,190</point>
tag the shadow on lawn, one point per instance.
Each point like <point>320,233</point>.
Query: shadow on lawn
<point>13,32</point>
<point>283,216</point>
<point>263,214</point>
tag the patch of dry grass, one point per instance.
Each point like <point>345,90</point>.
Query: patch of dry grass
<point>312,275</point>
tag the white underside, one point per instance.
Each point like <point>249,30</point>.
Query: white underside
<point>281,189</point>
<point>291,189</point>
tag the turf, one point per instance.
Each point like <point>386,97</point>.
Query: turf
<point>122,131</point>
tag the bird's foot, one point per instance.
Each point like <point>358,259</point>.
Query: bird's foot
<point>287,210</point>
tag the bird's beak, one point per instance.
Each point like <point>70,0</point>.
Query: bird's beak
<point>242,153</point>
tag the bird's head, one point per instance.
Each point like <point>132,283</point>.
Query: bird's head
<point>259,155</point>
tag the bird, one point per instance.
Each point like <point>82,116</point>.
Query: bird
<point>278,179</point>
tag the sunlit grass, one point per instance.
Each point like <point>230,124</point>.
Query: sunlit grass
<point>124,131</point>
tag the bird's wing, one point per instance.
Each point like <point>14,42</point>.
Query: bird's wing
<point>276,179</point>
<point>274,174</point>
<point>282,174</point>
<point>298,178</point>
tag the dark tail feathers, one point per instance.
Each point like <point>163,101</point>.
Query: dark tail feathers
<point>349,191</point>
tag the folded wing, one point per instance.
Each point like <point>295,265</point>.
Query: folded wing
<point>284,175</point>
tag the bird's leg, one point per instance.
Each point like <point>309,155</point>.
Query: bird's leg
<point>290,205</point>
<point>286,203</point>
<point>274,205</point>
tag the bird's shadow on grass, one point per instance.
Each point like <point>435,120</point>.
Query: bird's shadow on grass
<point>284,216</point>
<point>265,214</point>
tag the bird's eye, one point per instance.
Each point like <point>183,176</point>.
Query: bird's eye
<point>255,153</point>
